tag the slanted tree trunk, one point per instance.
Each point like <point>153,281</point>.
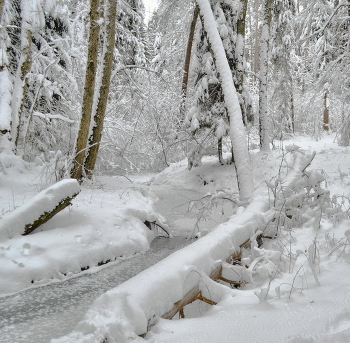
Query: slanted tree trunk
<point>88,97</point>
<point>95,138</point>
<point>264,50</point>
<point>237,132</point>
<point>188,60</point>
<point>39,209</point>
<point>20,83</point>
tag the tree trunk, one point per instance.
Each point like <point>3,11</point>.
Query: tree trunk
<point>2,3</point>
<point>264,50</point>
<point>237,131</point>
<point>256,37</point>
<point>95,138</point>
<point>221,159</point>
<point>239,57</point>
<point>292,112</point>
<point>325,111</point>
<point>88,97</point>
<point>20,83</point>
<point>188,60</point>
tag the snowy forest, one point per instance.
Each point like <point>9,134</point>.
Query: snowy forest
<point>179,174</point>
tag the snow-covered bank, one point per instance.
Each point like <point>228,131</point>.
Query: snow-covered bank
<point>296,309</point>
<point>80,237</point>
<point>310,314</point>
<point>131,308</point>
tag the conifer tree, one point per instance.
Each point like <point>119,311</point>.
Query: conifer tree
<point>209,110</point>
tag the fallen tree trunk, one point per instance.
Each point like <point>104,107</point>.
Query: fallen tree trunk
<point>48,215</point>
<point>39,209</point>
<point>165,288</point>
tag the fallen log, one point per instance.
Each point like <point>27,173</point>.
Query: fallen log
<point>195,293</point>
<point>39,209</point>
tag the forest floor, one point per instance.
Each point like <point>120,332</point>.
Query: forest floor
<point>297,308</point>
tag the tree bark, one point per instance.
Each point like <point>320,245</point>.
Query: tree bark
<point>22,119</point>
<point>239,57</point>
<point>264,51</point>
<point>292,111</point>
<point>2,3</point>
<point>88,97</point>
<point>188,60</point>
<point>221,159</point>
<point>325,111</point>
<point>256,37</point>
<point>46,216</point>
<point>95,138</point>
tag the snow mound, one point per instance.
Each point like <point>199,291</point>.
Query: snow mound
<point>208,177</point>
<point>105,223</point>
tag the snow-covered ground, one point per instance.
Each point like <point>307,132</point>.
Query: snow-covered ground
<point>296,308</point>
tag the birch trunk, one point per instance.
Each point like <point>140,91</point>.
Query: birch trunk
<point>264,50</point>
<point>88,97</point>
<point>95,138</point>
<point>237,132</point>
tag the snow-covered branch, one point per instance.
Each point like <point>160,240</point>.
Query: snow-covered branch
<point>115,72</point>
<point>49,116</point>
<point>327,22</point>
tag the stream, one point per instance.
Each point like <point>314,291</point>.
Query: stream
<point>51,311</point>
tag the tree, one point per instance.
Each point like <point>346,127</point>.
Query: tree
<point>32,18</point>
<point>264,61</point>
<point>88,97</point>
<point>95,138</point>
<point>208,115</point>
<point>282,56</point>
<point>237,132</point>
<point>38,78</point>
<point>324,45</point>
<point>188,59</point>
<point>6,84</point>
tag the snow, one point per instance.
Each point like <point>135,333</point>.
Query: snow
<point>276,305</point>
<point>164,283</point>
<point>77,238</point>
